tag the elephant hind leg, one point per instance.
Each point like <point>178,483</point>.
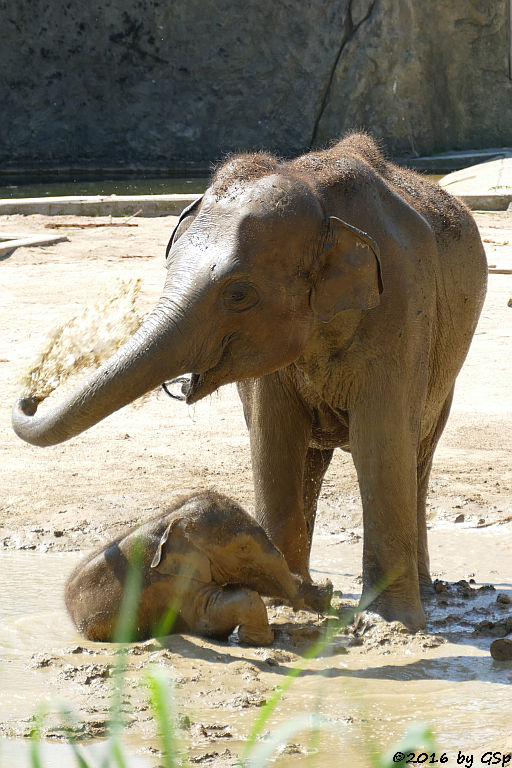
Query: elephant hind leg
<point>425,457</point>
<point>98,626</point>
<point>221,610</point>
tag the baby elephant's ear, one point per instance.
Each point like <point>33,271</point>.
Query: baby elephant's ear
<point>347,275</point>
<point>158,552</point>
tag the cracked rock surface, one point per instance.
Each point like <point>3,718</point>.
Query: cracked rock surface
<point>188,81</point>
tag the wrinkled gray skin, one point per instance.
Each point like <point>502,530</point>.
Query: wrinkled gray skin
<point>342,293</point>
<point>206,556</point>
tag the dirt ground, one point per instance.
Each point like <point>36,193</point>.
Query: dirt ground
<point>69,498</point>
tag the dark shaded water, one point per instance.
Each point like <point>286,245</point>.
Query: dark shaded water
<point>127,186</point>
<point>135,185</point>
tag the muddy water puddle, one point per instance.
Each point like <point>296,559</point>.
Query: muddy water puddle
<point>372,683</point>
<point>32,620</point>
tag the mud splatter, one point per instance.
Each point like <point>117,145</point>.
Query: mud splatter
<point>86,339</point>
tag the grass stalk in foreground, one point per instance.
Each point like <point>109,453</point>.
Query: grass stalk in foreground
<point>124,633</point>
<point>35,737</point>
<point>162,704</point>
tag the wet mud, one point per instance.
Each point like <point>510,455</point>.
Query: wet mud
<point>373,680</point>
<point>366,679</point>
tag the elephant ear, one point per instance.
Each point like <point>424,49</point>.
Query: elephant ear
<point>186,218</point>
<point>158,552</point>
<point>348,273</point>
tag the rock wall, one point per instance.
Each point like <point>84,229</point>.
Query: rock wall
<point>161,83</point>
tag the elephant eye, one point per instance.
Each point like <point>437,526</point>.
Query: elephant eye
<point>246,546</point>
<point>239,297</point>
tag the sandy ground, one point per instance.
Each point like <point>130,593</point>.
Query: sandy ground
<point>60,501</point>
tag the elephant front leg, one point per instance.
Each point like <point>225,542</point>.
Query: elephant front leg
<point>219,611</point>
<point>317,464</point>
<point>280,431</point>
<point>384,449</point>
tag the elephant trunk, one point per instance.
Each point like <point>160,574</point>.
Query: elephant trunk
<point>156,352</point>
<point>270,576</point>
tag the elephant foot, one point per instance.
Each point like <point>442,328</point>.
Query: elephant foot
<point>221,610</point>
<point>391,608</point>
<point>253,628</point>
<point>310,596</point>
<point>255,635</point>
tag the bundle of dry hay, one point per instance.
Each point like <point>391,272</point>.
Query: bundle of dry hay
<point>87,339</point>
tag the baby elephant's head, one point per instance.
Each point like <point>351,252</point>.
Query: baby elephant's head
<point>238,548</point>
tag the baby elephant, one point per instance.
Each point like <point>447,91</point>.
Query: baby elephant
<point>208,558</point>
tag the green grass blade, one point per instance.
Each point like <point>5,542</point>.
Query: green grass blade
<point>35,754</point>
<point>161,704</point>
<point>283,734</point>
<point>126,623</point>
<point>117,752</point>
<point>68,725</point>
<point>35,737</point>
<point>124,633</point>
<point>166,623</point>
<point>314,741</point>
<point>418,735</point>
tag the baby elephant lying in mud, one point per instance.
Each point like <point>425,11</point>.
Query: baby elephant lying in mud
<point>207,557</point>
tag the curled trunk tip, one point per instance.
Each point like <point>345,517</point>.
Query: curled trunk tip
<point>155,353</point>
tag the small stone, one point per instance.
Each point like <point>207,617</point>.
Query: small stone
<point>58,533</point>
<point>493,628</point>
<point>485,626</point>
<point>503,599</point>
<point>339,649</point>
<point>40,660</point>
<point>206,758</point>
<point>293,749</point>
<point>460,518</point>
<point>184,722</point>
<point>501,650</point>
<point>146,646</point>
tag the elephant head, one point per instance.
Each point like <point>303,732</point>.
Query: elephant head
<point>238,549</point>
<point>252,266</point>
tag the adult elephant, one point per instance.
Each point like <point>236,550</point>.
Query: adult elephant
<point>342,293</point>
